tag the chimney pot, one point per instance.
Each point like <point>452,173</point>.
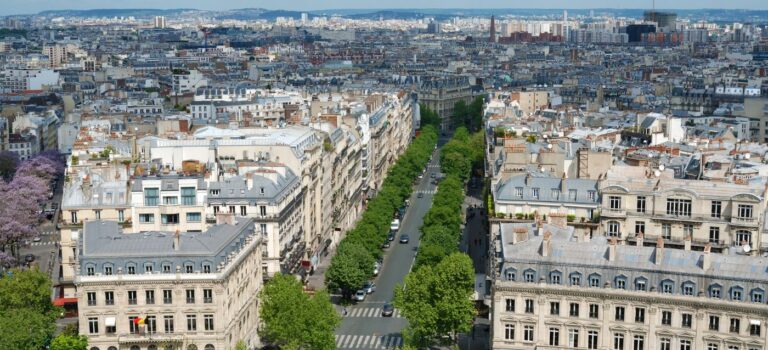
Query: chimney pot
<point>659,252</point>
<point>546,244</point>
<point>706,259</point>
<point>612,249</point>
<point>640,239</point>
<point>687,242</point>
<point>176,240</point>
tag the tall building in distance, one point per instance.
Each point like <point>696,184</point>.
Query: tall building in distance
<point>665,21</point>
<point>160,22</point>
<point>493,29</point>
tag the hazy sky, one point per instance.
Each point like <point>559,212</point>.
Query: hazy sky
<point>33,6</point>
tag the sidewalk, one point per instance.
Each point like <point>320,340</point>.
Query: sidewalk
<point>317,279</point>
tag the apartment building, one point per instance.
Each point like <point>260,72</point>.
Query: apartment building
<point>18,80</point>
<point>270,194</point>
<point>527,194</point>
<point>556,291</point>
<point>57,54</point>
<point>161,290</point>
<point>168,202</point>
<point>682,211</point>
<point>440,94</point>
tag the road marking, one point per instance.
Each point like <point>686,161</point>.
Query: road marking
<point>340,339</point>
<point>41,243</point>
<point>368,341</point>
<point>370,312</point>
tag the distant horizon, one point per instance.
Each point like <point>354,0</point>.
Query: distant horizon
<point>33,7</point>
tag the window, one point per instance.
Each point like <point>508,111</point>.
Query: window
<point>243,210</point>
<point>168,323</point>
<point>132,300</point>
<point>133,327</point>
<point>613,229</point>
<point>641,204</point>
<point>594,280</point>
<point>167,219</point>
<point>519,192</point>
<point>594,311</point>
<point>714,291</point>
<point>621,282</point>
<point>208,322</point>
<point>554,308</point>
<point>619,313</point>
<point>592,337</point>
<point>678,207</point>
<point>573,338</point>
<point>639,342</point>
<point>535,193</point>
<point>509,332</point>
<point>688,288</point>
<point>90,270</point>
<point>530,276</point>
<point>108,270</point>
<point>167,296</point>
<point>641,284</point>
<point>666,318</point>
<point>714,234</point>
<point>188,196</point>
<point>555,193</point>
<point>109,298</point>
<point>554,336</point>
<point>592,195</point>
<point>614,202</point>
<point>151,324</point>
<point>716,209</point>
<point>150,296</point>
<point>736,293</point>
<point>188,268</point>
<point>666,231</point>
<point>554,277</point>
<point>618,341</point>
<point>640,227</point>
<point>572,194</point>
<point>510,305</point>
<point>687,320</point>
<point>754,328</point>
<point>194,217</point>
<point>231,209</point>
<point>712,346</point>
<point>743,237</point>
<point>166,268</point>
<point>511,274</point>
<point>575,279</point>
<point>91,298</point>
<point>151,196</point>
<point>170,200</point>
<point>757,295</point>
<point>206,268</point>
<point>735,326</point>
<point>528,333</point>
<point>714,323</point>
<point>574,310</point>
<point>97,214</point>
<point>131,269</point>
<point>146,218</point>
<point>685,345</point>
<point>528,306</point>
<point>667,287</point>
<point>687,230</point>
<point>120,215</point>
<point>665,344</point>
<point>148,268</point>
<point>640,315</point>
<point>744,211</point>
<point>93,325</point>
<point>191,322</point>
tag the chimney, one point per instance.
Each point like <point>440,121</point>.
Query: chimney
<point>546,244</point>
<point>177,240</point>
<point>659,253</point>
<point>612,249</point>
<point>640,239</point>
<point>558,220</point>
<point>585,236</point>
<point>706,259</point>
<point>225,218</point>
<point>687,242</point>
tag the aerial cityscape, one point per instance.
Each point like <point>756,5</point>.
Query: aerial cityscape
<point>360,175</point>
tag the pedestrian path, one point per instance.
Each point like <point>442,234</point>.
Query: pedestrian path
<point>346,341</point>
<point>370,312</point>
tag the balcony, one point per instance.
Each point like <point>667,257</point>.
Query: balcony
<point>744,222</point>
<point>614,213</point>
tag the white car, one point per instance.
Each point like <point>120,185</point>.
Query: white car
<point>360,295</point>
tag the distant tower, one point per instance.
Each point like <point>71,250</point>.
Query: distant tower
<point>493,29</point>
<point>565,25</point>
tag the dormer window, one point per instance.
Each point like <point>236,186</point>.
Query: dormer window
<point>261,190</point>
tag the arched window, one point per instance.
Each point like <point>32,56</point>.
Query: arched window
<point>94,348</point>
<point>152,347</point>
<point>111,348</point>
<point>191,347</point>
<point>210,347</point>
<point>135,347</point>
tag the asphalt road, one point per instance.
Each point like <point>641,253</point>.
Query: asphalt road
<point>46,250</point>
<point>363,327</point>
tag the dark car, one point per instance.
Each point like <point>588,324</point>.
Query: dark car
<point>387,310</point>
<point>29,258</point>
<point>391,236</point>
<point>385,245</point>
<point>404,238</point>
<point>420,195</point>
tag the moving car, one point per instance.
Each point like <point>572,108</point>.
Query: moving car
<point>387,310</point>
<point>433,175</point>
<point>37,239</point>
<point>404,238</point>
<point>369,287</point>
<point>29,258</point>
<point>420,195</point>
<point>360,295</point>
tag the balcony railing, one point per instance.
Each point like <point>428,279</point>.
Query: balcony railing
<point>614,212</point>
<point>744,221</point>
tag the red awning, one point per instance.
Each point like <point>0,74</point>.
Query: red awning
<point>62,301</point>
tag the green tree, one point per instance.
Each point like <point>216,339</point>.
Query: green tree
<point>25,329</point>
<point>349,269</point>
<point>240,345</point>
<point>437,301</point>
<point>26,289</point>
<point>293,320</point>
<point>69,342</point>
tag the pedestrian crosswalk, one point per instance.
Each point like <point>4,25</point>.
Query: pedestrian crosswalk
<point>370,312</point>
<point>368,341</point>
<point>41,243</point>
<point>427,191</point>
<point>48,233</point>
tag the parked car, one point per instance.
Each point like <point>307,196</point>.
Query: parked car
<point>404,238</point>
<point>369,287</point>
<point>395,225</point>
<point>360,295</point>
<point>37,239</point>
<point>376,269</point>
<point>29,258</point>
<point>385,245</point>
<point>391,236</point>
<point>433,175</point>
<point>387,310</point>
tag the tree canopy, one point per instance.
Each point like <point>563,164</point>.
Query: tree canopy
<point>69,342</point>
<point>27,316</point>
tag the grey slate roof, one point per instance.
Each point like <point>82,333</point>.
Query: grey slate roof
<point>507,190</point>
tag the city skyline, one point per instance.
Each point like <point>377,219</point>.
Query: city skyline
<point>18,7</point>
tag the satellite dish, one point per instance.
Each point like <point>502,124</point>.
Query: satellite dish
<point>661,167</point>
<point>747,155</point>
<point>549,146</point>
<point>746,248</point>
<point>656,173</point>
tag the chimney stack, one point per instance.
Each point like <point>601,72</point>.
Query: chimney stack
<point>659,253</point>
<point>640,237</point>
<point>177,240</point>
<point>706,259</point>
<point>546,244</point>
<point>612,249</point>
<point>687,242</point>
